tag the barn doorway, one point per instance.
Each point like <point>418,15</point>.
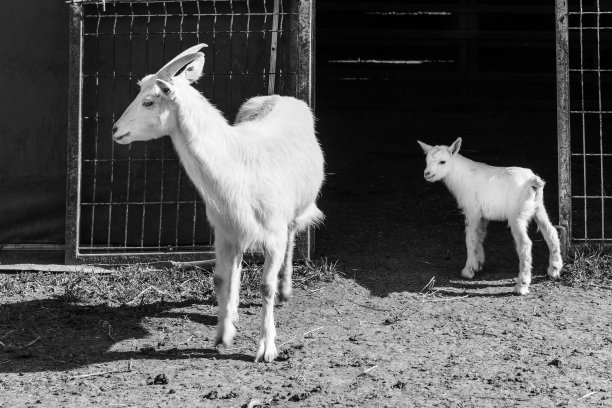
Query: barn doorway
<point>393,73</point>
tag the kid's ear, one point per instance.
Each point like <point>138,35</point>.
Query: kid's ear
<point>166,88</point>
<point>426,148</point>
<point>454,148</point>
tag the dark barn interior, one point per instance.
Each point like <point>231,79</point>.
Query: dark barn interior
<point>387,74</point>
<point>394,72</point>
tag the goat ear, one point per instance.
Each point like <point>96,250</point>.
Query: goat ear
<point>454,148</point>
<point>426,148</point>
<point>193,71</point>
<point>166,89</point>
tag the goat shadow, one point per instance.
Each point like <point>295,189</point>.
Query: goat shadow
<point>56,335</point>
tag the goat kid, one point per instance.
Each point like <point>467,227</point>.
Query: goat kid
<point>259,178</point>
<point>486,193</point>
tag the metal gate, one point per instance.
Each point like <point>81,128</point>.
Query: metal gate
<point>135,203</point>
<point>584,77</point>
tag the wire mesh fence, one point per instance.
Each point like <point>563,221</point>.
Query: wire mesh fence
<point>588,206</point>
<point>136,200</point>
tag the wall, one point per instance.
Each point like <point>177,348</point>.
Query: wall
<point>436,54</point>
<point>33,80</point>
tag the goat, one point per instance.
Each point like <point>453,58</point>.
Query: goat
<point>259,178</point>
<point>486,193</point>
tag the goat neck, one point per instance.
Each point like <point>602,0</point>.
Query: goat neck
<point>204,141</point>
<point>458,178</point>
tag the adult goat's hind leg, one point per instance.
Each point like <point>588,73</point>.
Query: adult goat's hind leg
<point>226,280</point>
<point>523,249</point>
<point>286,272</point>
<point>275,253</point>
<point>555,262</point>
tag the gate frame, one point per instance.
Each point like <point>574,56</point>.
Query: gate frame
<point>304,245</point>
<point>564,154</point>
<point>563,126</point>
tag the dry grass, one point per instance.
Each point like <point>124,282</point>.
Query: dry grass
<point>143,284</point>
<point>306,275</point>
<point>589,267</point>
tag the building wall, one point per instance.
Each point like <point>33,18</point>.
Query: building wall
<point>33,82</point>
<point>437,54</point>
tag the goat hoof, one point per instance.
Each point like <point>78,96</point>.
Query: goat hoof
<point>225,335</point>
<point>284,297</point>
<point>521,289</point>
<point>554,269</point>
<point>266,352</point>
<point>467,273</point>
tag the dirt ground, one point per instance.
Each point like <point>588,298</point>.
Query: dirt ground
<point>368,339</point>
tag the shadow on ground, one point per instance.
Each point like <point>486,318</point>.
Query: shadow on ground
<point>53,334</point>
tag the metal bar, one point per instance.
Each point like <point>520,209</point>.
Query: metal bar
<point>156,202</point>
<point>178,168</point>
<point>273,47</point>
<point>137,77</point>
<point>563,119</point>
<point>195,192</point>
<point>32,247</point>
<point>186,32</point>
<point>112,163</point>
<point>231,50</point>
<point>163,143</point>
<point>601,179</point>
<point>591,28</point>
<point>146,147</point>
<point>584,178</point>
<point>590,111</point>
<point>305,241</point>
<point>144,257</point>
<point>73,165</point>
<point>131,1</point>
<point>133,248</point>
<point>196,14</point>
<point>97,121</point>
<point>129,159</point>
<point>589,12</point>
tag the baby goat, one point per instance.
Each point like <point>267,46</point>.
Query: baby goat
<point>259,178</point>
<point>485,193</point>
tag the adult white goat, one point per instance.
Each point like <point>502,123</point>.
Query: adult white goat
<point>485,193</point>
<point>259,178</point>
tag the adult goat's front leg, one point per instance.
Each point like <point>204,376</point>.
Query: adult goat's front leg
<point>472,241</point>
<point>275,252</point>
<point>523,249</point>
<point>226,280</point>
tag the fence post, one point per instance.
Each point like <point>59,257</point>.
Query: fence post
<point>563,123</point>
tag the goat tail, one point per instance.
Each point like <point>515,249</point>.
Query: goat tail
<point>311,216</point>
<point>537,184</point>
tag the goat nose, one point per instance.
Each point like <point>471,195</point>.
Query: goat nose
<point>114,129</point>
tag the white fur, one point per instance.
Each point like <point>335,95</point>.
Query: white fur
<point>486,193</point>
<point>259,179</point>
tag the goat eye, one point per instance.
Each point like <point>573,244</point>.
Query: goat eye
<point>443,162</point>
<point>147,103</point>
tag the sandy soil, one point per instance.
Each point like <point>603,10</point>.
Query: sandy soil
<point>370,338</point>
